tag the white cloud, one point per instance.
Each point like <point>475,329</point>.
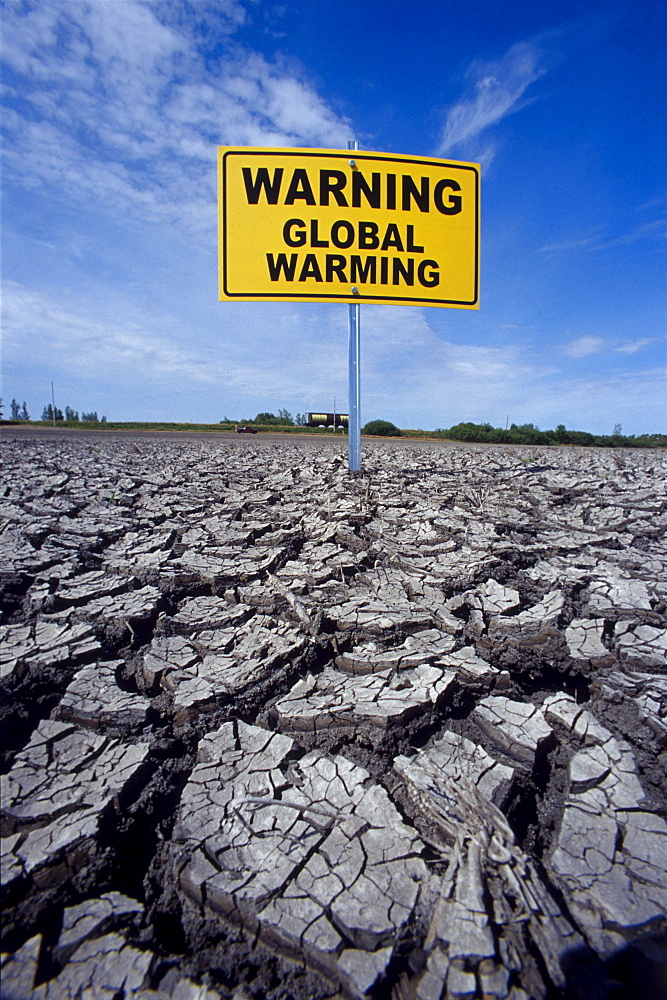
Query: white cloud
<point>127,34</point>
<point>418,378</point>
<point>582,347</point>
<point>497,89</point>
<point>118,105</point>
<point>80,340</point>
<point>632,346</point>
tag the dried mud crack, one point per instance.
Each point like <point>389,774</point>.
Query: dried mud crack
<point>275,731</point>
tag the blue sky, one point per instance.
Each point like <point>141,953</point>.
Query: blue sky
<point>113,112</point>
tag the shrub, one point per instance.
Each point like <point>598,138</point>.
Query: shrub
<point>381,428</point>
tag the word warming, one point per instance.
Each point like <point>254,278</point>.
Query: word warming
<point>332,226</point>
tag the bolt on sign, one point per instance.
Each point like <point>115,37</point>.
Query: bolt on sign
<point>323,225</point>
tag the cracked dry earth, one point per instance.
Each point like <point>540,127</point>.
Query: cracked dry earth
<point>272,730</point>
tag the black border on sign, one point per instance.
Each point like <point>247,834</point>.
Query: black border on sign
<point>330,296</point>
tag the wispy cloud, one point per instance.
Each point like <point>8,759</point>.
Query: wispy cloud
<point>501,87</point>
<point>496,89</point>
<point>582,347</point>
<point>599,239</point>
<point>632,346</point>
<point>658,227</point>
<point>587,241</point>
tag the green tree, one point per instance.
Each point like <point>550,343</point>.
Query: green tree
<point>285,417</point>
<point>15,407</point>
<point>47,413</point>
<point>381,428</point>
<point>71,414</point>
<point>24,412</point>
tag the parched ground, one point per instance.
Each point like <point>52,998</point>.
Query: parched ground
<point>270,730</point>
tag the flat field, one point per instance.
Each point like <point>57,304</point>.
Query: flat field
<point>274,731</point>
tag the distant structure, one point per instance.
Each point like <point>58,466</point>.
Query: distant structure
<point>327,420</point>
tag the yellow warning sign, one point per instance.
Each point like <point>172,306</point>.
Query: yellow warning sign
<point>324,225</point>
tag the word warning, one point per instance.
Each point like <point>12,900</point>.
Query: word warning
<point>333,226</point>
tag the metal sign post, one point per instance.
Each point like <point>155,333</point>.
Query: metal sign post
<point>354,390</point>
<point>354,424</point>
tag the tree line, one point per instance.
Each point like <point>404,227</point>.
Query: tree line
<point>465,431</point>
<point>19,411</point>
<point>529,434</point>
<point>283,419</point>
<point>70,416</point>
<point>486,433</point>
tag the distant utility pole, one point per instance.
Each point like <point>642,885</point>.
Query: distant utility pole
<point>53,405</point>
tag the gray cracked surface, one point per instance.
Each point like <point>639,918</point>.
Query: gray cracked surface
<point>55,793</point>
<point>275,731</point>
<point>382,699</point>
<point>472,948</point>
<point>515,728</point>
<point>308,852</point>
<point>610,854</point>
